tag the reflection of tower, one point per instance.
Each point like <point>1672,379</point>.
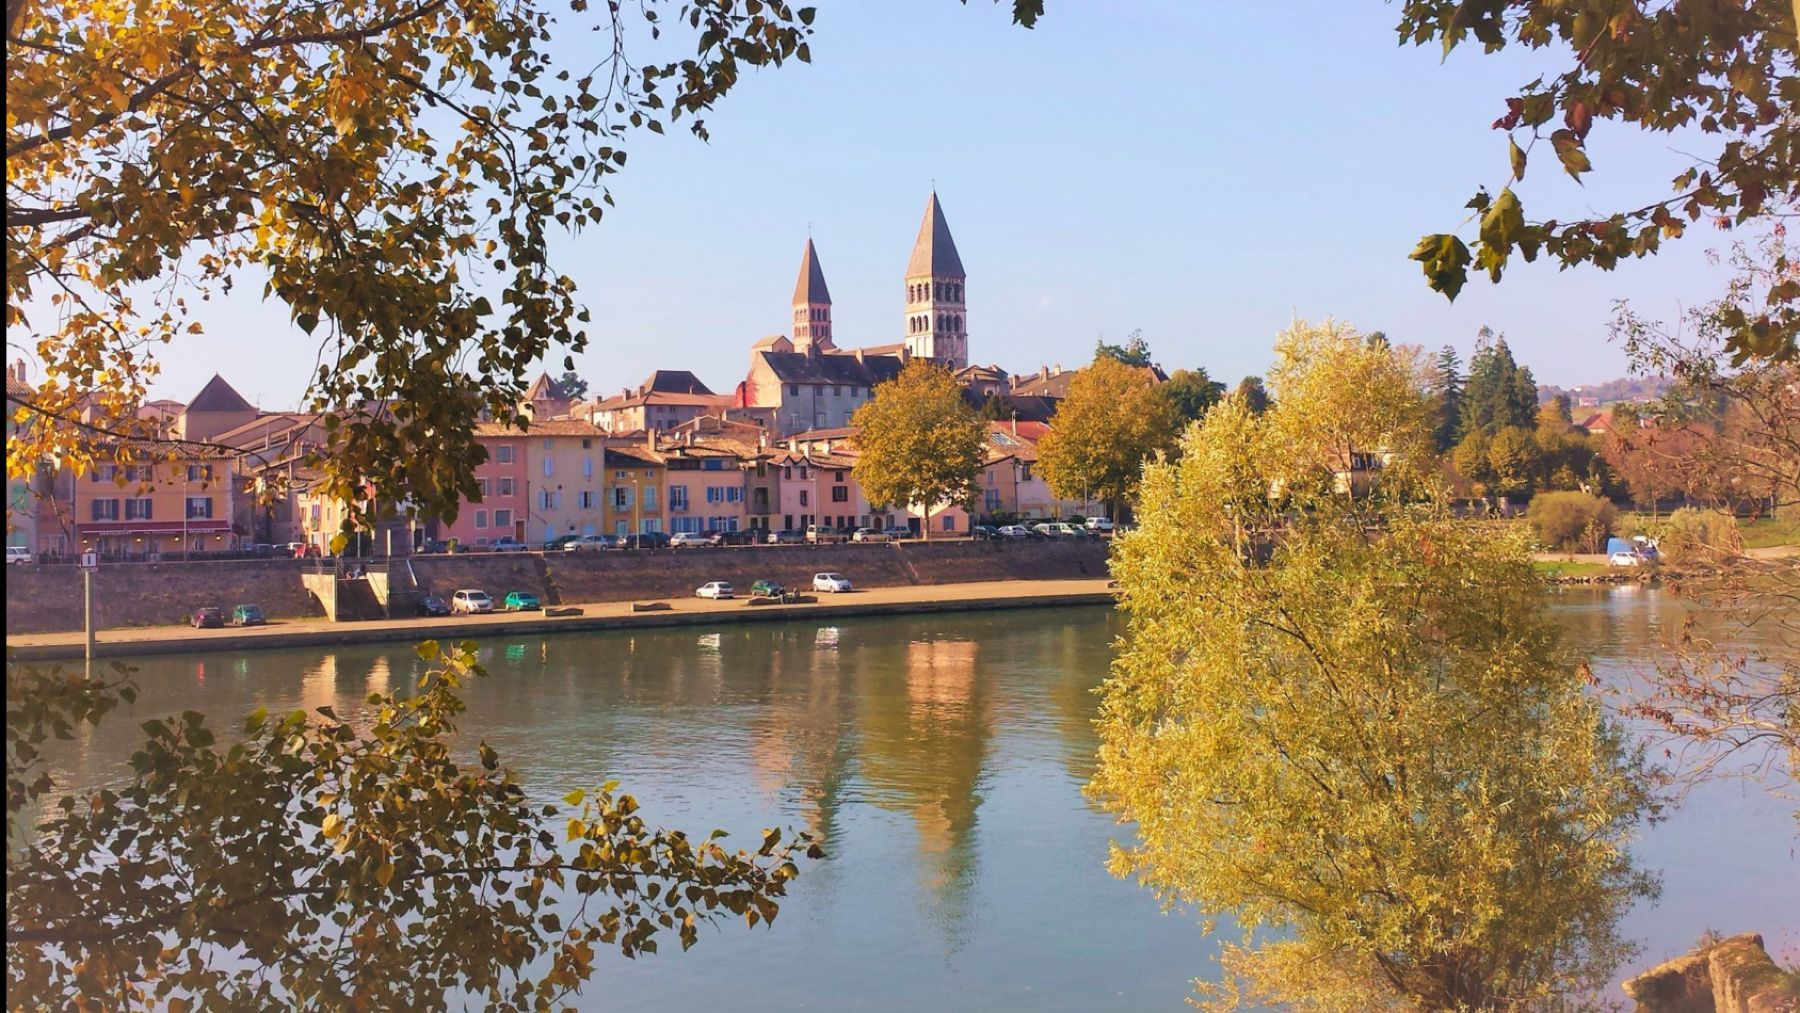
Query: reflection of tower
<point>935,310</point>
<point>812,305</point>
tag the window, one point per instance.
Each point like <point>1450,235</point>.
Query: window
<point>1024,472</point>
<point>506,487</point>
<point>949,522</point>
<point>199,472</point>
<point>546,499</point>
<point>793,390</point>
<point>137,509</point>
<point>587,444</point>
<point>549,466</point>
<point>587,466</point>
<point>837,391</point>
<point>621,497</point>
<point>199,507</point>
<point>838,475</point>
<point>481,518</point>
<point>993,500</point>
<point>678,499</point>
<point>818,420</point>
<point>106,510</point>
<point>650,497</point>
<point>546,443</point>
<point>588,500</point>
<point>787,471</point>
<point>481,488</point>
<point>803,501</point>
<point>734,495</point>
<point>503,518</point>
<point>619,473</point>
<point>104,472</point>
<point>840,494</point>
<point>503,453</point>
<point>713,464</point>
<point>652,526</point>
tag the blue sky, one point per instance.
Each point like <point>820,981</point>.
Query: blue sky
<point>1200,171</point>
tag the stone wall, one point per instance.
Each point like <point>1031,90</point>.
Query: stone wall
<point>48,599</point>
<point>43,599</point>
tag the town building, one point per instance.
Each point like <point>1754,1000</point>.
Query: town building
<point>151,500</point>
<point>634,478</point>
<point>666,399</point>
<point>216,409</point>
<point>499,509</point>
<point>566,480</point>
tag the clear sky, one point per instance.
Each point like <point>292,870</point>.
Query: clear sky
<point>1203,171</point>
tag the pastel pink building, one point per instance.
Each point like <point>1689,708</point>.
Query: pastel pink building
<point>500,509</point>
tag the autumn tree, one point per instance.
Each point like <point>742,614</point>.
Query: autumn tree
<point>1190,392</point>
<point>1727,69</point>
<point>1112,421</point>
<point>395,173</point>
<point>1349,725</point>
<point>330,862</point>
<point>1134,352</point>
<point>918,443</point>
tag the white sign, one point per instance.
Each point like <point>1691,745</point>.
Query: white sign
<point>90,561</point>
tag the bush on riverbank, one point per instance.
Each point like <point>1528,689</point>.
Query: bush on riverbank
<point>1574,521</point>
<point>1700,536</point>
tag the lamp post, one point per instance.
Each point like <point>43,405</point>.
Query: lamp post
<point>186,509</point>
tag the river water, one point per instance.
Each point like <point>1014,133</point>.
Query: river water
<point>941,759</point>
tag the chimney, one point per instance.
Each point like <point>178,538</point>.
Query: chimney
<point>1043,372</point>
<point>650,438</point>
<point>859,356</point>
<point>828,444</point>
<point>1015,422</point>
<point>18,369</point>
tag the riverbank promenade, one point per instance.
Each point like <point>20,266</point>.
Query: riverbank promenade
<point>967,597</point>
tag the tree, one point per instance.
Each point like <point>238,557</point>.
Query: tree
<point>1111,422</point>
<point>1728,69</point>
<point>573,386</point>
<point>995,409</point>
<point>1190,392</point>
<point>1134,352</point>
<point>1575,521</point>
<point>918,443</point>
<point>1349,726</point>
<point>395,169</point>
<point>1447,387</point>
<point>1250,388</point>
<point>1471,460</point>
<point>325,862</point>
<point>1514,461</point>
<point>1498,393</point>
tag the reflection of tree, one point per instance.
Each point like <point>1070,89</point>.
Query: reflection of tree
<point>798,744</point>
<point>925,726</point>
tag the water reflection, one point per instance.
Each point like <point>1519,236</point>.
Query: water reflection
<point>940,759</point>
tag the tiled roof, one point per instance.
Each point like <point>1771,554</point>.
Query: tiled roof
<point>218,396</point>
<point>836,433</point>
<point>631,457</point>
<point>811,286</point>
<point>545,389</point>
<point>674,381</point>
<point>1027,408</point>
<point>798,367</point>
<point>267,426</point>
<point>934,254</point>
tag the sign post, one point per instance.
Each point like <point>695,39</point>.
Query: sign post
<point>90,561</point>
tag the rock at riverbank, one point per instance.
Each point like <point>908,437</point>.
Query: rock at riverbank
<point>1732,975</point>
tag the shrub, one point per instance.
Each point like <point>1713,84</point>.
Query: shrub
<point>1573,521</point>
<point>1696,536</point>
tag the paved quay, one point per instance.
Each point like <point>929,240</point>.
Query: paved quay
<point>912,600</point>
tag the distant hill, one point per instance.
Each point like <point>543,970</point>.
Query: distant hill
<point>1629,388</point>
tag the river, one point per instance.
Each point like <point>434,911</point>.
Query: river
<point>941,759</point>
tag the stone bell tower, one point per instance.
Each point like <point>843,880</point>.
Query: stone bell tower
<point>935,307</point>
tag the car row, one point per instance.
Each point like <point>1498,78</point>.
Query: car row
<point>827,582</point>
<point>211,617</point>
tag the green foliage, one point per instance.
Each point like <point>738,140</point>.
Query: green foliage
<point>354,864</point>
<point>1498,393</point>
<point>1514,460</point>
<point>1727,69</point>
<point>1349,724</point>
<point>1134,352</point>
<point>1572,521</point>
<point>1691,536</point>
<point>573,386</point>
<point>1190,392</point>
<point>994,409</point>
<point>918,443</point>
<point>1253,393</point>
<point>1111,422</point>
<point>1447,387</point>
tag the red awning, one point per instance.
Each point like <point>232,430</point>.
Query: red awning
<point>193,527</point>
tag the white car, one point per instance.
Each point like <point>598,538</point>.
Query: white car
<point>871,535</point>
<point>17,554</point>
<point>1015,531</point>
<point>1624,559</point>
<point>470,600</point>
<point>1100,525</point>
<point>832,582</point>
<point>714,589</point>
<point>589,543</point>
<point>821,534</point>
<point>689,540</point>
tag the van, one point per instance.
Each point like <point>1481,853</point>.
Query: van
<point>820,534</point>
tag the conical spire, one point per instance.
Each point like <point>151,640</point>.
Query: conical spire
<point>811,286</point>
<point>934,255</point>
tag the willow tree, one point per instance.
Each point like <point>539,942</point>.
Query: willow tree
<point>918,443</point>
<point>1112,421</point>
<point>1346,721</point>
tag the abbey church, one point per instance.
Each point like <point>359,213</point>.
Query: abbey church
<point>807,382</point>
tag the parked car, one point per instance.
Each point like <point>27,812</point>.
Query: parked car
<point>506,543</point>
<point>822,534</point>
<point>1057,529</point>
<point>590,543</point>
<point>767,589</point>
<point>871,535</point>
<point>432,605</point>
<point>786,536</point>
<point>471,600</point>
<point>1018,531</point>
<point>747,536</point>
<point>521,601</point>
<point>248,615</point>
<point>1100,525</point>
<point>647,540</point>
<point>1624,559</point>
<point>714,589</point>
<point>208,618</point>
<point>832,582</point>
<point>556,544</point>
<point>897,533</point>
<point>17,555</point>
<point>983,532</point>
<point>690,540</point>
